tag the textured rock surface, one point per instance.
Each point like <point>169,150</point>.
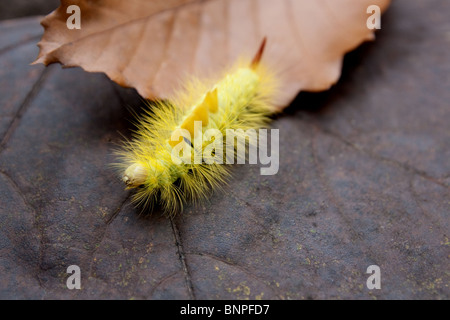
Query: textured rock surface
<point>364,179</point>
<point>23,8</point>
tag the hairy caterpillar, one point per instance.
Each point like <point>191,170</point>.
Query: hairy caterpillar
<point>157,160</point>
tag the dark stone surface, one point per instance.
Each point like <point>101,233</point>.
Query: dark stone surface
<point>23,8</point>
<point>364,179</point>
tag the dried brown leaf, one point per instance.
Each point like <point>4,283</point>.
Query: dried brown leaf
<point>152,45</point>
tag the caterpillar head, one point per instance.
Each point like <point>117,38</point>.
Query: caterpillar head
<point>153,173</point>
<point>135,175</point>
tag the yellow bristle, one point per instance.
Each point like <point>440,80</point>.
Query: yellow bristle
<point>212,101</point>
<point>242,99</point>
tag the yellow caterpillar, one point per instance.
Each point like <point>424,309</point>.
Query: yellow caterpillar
<point>172,158</point>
